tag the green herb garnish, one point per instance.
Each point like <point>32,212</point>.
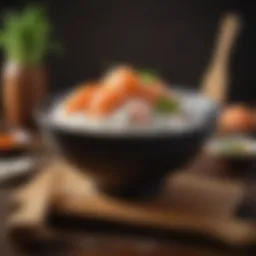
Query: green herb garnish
<point>166,105</point>
<point>149,76</point>
<point>26,36</point>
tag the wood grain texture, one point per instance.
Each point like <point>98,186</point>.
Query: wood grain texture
<point>225,227</point>
<point>190,202</point>
<point>32,206</point>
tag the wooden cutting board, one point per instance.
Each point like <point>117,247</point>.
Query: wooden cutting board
<point>202,201</point>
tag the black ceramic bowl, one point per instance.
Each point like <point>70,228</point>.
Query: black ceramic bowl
<point>127,164</point>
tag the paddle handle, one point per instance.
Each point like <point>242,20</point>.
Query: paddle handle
<point>216,78</point>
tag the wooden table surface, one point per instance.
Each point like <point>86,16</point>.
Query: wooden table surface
<point>6,247</point>
<point>103,243</point>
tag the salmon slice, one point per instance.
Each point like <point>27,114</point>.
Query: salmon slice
<point>117,87</point>
<point>81,99</point>
<point>153,92</point>
<point>124,80</point>
<point>105,101</point>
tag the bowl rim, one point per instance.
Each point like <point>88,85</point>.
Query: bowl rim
<point>42,117</point>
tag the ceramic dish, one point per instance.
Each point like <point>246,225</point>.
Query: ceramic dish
<point>125,162</point>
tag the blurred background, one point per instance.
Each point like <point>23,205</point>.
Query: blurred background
<point>174,37</point>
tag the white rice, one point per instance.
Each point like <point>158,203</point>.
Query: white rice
<point>194,109</point>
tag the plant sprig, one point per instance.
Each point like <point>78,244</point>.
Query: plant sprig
<point>26,36</point>
<point>165,105</point>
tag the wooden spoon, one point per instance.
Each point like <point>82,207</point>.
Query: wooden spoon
<point>215,81</point>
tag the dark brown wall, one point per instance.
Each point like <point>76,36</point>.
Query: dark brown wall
<point>174,37</point>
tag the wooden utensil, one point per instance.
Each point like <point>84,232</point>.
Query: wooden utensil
<point>32,205</point>
<point>63,190</point>
<point>79,200</point>
<point>216,78</point>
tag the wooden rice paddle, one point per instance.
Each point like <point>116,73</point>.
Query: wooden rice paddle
<point>216,78</point>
